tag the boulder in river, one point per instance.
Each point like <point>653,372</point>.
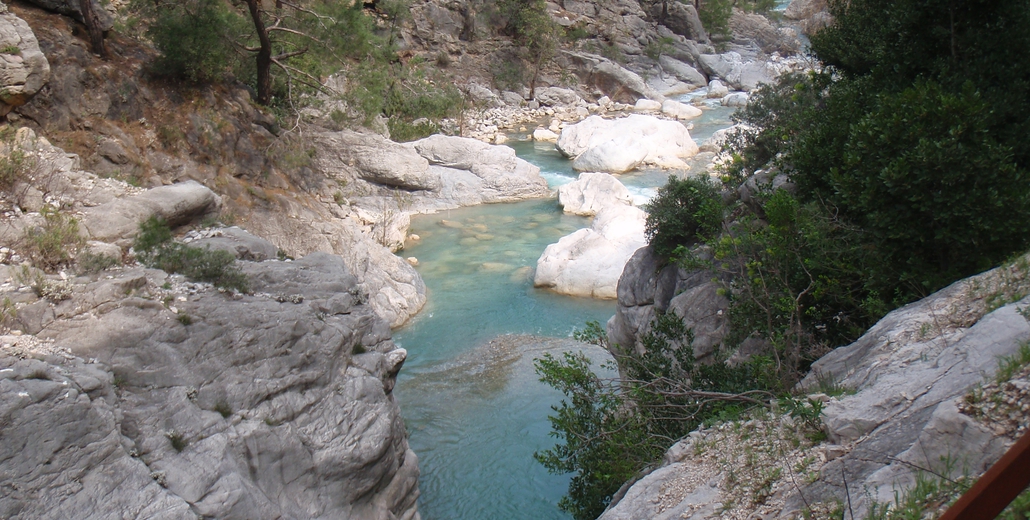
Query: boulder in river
<point>655,141</point>
<point>591,193</point>
<point>590,261</point>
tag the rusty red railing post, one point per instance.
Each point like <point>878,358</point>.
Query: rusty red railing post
<point>997,488</point>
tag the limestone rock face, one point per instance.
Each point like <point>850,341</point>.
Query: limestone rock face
<point>177,204</point>
<point>24,72</point>
<point>556,96</point>
<point>262,406</point>
<point>682,71</point>
<point>657,142</point>
<point>811,15</point>
<point>589,262</point>
<point>591,193</point>
<point>240,244</point>
<point>650,285</point>
<point>905,378</point>
<point>617,82</point>
<point>374,159</point>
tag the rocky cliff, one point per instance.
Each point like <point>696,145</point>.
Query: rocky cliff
<point>144,396</point>
<point>909,399</point>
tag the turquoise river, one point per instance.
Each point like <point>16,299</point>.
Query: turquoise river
<point>473,406</point>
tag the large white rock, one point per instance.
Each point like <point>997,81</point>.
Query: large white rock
<point>590,261</point>
<point>736,99</point>
<point>345,155</point>
<point>647,105</point>
<point>544,134</point>
<point>177,204</point>
<point>716,89</point>
<point>557,96</point>
<point>660,142</point>
<point>591,193</point>
<point>620,155</point>
<point>673,108</point>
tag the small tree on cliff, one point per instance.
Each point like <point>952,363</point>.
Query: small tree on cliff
<point>275,45</point>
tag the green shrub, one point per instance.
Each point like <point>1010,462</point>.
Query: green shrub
<point>54,244</point>
<point>715,16</point>
<point>13,161</point>
<point>154,248</point>
<point>92,263</point>
<point>683,211</point>
<point>190,37</point>
<point>610,429</point>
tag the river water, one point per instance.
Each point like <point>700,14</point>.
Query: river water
<point>474,408</point>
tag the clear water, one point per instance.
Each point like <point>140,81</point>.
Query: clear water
<point>473,405</point>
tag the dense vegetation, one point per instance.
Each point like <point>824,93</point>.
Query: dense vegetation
<point>896,170</point>
<point>287,52</point>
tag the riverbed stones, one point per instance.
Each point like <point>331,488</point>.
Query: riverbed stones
<point>591,193</point>
<point>716,89</point>
<point>589,262</point>
<point>611,145</point>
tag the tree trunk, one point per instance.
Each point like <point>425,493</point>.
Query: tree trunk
<point>92,21</point>
<point>264,55</point>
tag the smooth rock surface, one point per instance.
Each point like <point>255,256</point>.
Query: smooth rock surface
<point>177,204</point>
<point>591,193</point>
<point>263,406</point>
<point>22,74</point>
<point>346,155</point>
<point>673,108</point>
<point>589,262</point>
<point>663,143</point>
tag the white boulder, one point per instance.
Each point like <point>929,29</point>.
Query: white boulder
<point>544,134</point>
<point>619,142</point>
<point>647,105</point>
<point>736,99</point>
<point>590,261</point>
<point>716,89</point>
<point>591,193</point>
<point>673,108</point>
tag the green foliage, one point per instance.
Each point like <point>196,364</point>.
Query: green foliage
<point>184,318</point>
<point>10,49</point>
<point>715,16</point>
<point>920,137</point>
<point>1009,366</point>
<point>797,280</point>
<point>404,93</point>
<point>191,36</point>
<point>657,48</point>
<point>177,440</point>
<point>13,161</point>
<point>92,263</point>
<point>224,409</point>
<point>610,429</point>
<point>685,210</point>
<point>54,244</point>
<point>154,248</point>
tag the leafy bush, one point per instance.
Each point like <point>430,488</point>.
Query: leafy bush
<point>190,37</point>
<point>685,210</point>
<point>612,428</point>
<point>715,16</point>
<point>54,244</point>
<point>13,161</point>
<point>155,248</point>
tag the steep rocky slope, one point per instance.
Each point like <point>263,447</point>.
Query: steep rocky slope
<point>905,402</point>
